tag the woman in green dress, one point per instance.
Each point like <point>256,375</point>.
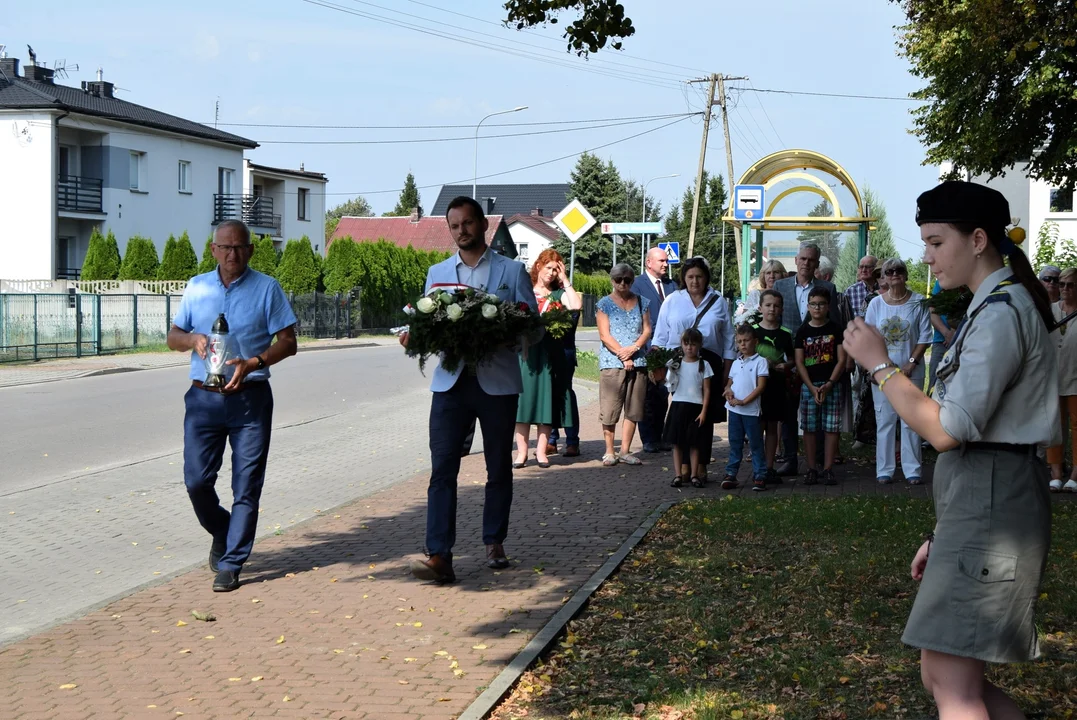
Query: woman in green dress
<point>547,377</point>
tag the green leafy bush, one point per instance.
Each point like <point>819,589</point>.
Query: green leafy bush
<point>139,260</point>
<point>298,269</point>
<point>264,259</point>
<point>102,257</point>
<point>209,263</point>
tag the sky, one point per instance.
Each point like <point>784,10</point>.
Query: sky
<point>293,62</point>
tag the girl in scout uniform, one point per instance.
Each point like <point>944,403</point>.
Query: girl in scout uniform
<point>995,401</point>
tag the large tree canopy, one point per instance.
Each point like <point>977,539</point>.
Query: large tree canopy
<point>600,21</point>
<point>1000,84</point>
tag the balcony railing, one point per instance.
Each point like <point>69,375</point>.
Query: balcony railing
<point>78,194</point>
<point>255,210</point>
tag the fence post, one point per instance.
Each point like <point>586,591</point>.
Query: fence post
<point>134,315</point>
<point>348,312</point>
<point>78,325</point>
<point>336,317</point>
<point>316,314</point>
<point>97,324</point>
<point>168,314</point>
<point>35,326</point>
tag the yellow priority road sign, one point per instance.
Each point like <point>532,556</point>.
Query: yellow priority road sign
<point>574,220</point>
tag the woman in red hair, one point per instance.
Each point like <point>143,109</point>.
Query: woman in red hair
<point>547,376</point>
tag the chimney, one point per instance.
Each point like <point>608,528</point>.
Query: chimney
<point>38,73</point>
<point>301,169</point>
<point>9,67</point>
<point>488,205</point>
<point>98,88</point>
<point>537,212</point>
<point>416,214</point>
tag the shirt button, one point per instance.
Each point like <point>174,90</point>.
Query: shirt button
<point>984,571</point>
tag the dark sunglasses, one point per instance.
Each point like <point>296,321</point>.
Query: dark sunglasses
<point>1067,285</point>
<point>1050,279</point>
<point>894,271</point>
<point>621,280</point>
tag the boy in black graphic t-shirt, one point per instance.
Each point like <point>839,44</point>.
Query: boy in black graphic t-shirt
<point>820,361</point>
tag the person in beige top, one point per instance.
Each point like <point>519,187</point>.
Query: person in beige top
<point>1066,335</point>
<point>995,402</point>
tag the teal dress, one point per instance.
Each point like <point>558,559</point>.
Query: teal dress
<point>547,378</point>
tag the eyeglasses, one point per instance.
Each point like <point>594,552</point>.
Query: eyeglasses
<point>226,249</point>
<point>1052,279</point>
<point>1067,285</point>
<point>622,280</point>
<point>866,267</point>
<point>894,271</point>
<point>818,305</point>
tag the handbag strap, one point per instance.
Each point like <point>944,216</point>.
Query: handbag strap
<point>708,306</point>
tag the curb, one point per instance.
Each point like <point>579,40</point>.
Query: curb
<point>504,682</point>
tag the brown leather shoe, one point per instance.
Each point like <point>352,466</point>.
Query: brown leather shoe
<point>495,557</point>
<point>551,449</point>
<point>572,451</point>
<point>435,568</point>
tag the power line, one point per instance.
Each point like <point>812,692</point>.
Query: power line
<point>761,107</point>
<point>834,95</point>
<point>469,138</point>
<point>453,127</point>
<point>762,143</point>
<point>519,169</point>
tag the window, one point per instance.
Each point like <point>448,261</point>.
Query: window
<point>67,155</point>
<point>522,250</point>
<point>184,176</point>
<point>1061,201</point>
<point>138,171</point>
<point>225,177</point>
<point>304,204</point>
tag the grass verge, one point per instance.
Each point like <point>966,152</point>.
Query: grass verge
<point>790,608</point>
<point>587,365</point>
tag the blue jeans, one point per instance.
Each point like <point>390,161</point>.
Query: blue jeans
<point>243,420</point>
<point>451,414</point>
<point>572,434</point>
<point>739,426</point>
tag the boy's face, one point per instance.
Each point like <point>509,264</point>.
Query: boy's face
<point>746,344</point>
<point>771,307</point>
<point>818,308</point>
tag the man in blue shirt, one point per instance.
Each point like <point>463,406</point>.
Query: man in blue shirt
<point>241,412</point>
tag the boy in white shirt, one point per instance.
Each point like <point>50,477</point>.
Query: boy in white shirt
<point>744,388</point>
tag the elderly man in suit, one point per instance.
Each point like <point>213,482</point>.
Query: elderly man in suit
<point>794,291</point>
<point>490,396</point>
<point>653,284</point>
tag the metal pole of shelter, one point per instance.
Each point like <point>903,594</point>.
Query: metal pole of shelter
<point>745,264</point>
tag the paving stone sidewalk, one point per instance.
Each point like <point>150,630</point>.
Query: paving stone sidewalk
<point>329,623</point>
<point>52,370</point>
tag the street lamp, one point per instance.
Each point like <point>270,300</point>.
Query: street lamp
<point>643,242</point>
<point>475,177</point>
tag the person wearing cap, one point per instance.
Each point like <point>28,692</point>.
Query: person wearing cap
<point>995,401</point>
<point>1049,276</point>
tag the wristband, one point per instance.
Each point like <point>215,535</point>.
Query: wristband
<point>892,373</point>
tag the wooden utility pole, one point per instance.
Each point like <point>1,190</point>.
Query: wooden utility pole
<point>717,82</point>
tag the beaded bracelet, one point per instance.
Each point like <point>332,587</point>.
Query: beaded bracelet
<point>889,375</point>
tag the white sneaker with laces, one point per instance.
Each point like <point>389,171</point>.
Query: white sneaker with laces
<point>1056,485</point>
<point>1070,486</point>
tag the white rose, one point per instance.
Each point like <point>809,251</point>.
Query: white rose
<point>489,311</point>
<point>425,305</point>
<point>455,312</point>
<point>492,299</point>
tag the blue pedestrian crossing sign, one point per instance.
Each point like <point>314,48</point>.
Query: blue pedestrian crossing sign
<point>673,251</point>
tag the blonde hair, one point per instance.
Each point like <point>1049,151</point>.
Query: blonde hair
<point>770,266</point>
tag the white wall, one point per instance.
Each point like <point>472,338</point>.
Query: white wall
<point>536,243</point>
<point>27,195</point>
<point>292,228</point>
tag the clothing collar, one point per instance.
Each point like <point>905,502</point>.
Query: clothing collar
<point>746,359</point>
<point>485,258</point>
<point>988,286</point>
<point>653,278</point>
<point>237,281</point>
<point>796,282</point>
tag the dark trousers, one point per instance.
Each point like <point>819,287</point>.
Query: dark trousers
<point>451,415</point>
<point>654,416</point>
<point>243,420</point>
<point>791,427</point>
<point>572,434</point>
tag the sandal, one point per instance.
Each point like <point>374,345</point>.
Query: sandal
<point>630,459</point>
<point>678,481</point>
<point>609,459</point>
<point>698,482</point>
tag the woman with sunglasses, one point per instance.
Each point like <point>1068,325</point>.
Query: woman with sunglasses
<point>1066,335</point>
<point>624,327</point>
<point>1049,275</point>
<point>900,315</point>
<point>697,305</point>
<point>994,403</point>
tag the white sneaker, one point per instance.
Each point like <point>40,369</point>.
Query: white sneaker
<point>1070,486</point>
<point>1056,485</point>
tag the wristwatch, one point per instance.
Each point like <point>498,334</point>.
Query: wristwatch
<point>261,362</point>
<point>913,361</point>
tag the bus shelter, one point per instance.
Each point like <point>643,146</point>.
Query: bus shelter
<point>796,166</point>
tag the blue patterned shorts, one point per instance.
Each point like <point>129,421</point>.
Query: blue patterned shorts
<point>825,417</point>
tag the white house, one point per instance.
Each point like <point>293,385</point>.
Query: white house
<point>295,207</point>
<point>1034,202</point>
<point>75,158</point>
<point>531,234</point>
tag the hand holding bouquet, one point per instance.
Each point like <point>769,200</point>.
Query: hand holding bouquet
<point>658,359</point>
<point>466,326</point>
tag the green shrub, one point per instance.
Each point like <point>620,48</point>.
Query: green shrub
<point>139,260</point>
<point>298,269</point>
<point>179,261</point>
<point>264,259</point>
<point>342,266</point>
<point>598,284</point>
<point>209,263</point>
<point>102,257</point>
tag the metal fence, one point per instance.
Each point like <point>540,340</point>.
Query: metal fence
<point>51,325</point>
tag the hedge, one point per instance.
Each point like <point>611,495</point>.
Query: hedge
<point>139,260</point>
<point>102,257</point>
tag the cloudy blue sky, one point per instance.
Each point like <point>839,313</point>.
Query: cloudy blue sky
<point>292,62</point>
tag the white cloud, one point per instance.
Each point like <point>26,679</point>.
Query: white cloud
<point>206,47</point>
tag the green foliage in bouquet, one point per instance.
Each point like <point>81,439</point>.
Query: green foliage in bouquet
<point>952,304</point>
<point>558,320</point>
<point>466,326</point>
<point>659,357</point>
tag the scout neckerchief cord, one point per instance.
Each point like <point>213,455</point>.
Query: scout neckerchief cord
<point>997,295</point>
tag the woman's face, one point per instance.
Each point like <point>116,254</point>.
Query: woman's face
<point>696,282</point>
<point>549,273</point>
<point>769,278</point>
<point>948,253</point>
<point>622,284</point>
<point>1067,288</point>
<point>896,278</point>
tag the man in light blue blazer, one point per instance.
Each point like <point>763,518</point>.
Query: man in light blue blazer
<point>653,284</point>
<point>490,396</point>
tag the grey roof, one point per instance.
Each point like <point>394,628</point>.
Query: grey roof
<point>18,93</point>
<point>521,199</point>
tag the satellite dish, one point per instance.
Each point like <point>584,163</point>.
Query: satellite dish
<point>21,131</point>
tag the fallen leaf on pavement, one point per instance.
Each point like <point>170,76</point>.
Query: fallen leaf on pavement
<point>280,640</point>
<point>180,623</point>
<point>68,686</point>
<point>204,616</point>
<point>478,647</point>
<point>256,678</point>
